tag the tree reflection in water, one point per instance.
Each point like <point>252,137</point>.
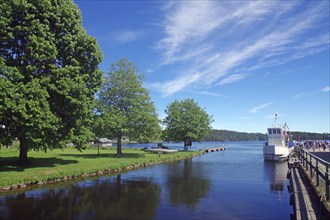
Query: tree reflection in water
<point>186,186</point>
<point>103,198</point>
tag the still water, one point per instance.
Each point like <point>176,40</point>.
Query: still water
<point>231,184</point>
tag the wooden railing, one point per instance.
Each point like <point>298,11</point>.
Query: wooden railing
<point>317,170</point>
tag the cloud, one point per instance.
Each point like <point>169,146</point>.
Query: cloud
<point>125,36</point>
<point>212,94</point>
<point>232,78</point>
<point>259,107</point>
<point>204,38</point>
<point>303,94</point>
<point>170,87</point>
<point>310,93</point>
<point>186,22</point>
<point>326,89</point>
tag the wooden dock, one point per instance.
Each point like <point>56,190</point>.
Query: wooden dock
<point>160,151</point>
<point>213,149</point>
<point>302,197</point>
<point>309,187</point>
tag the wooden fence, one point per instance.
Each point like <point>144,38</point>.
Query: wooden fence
<point>317,170</point>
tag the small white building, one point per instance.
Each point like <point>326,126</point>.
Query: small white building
<point>102,142</point>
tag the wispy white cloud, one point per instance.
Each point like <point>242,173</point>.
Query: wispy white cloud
<point>310,93</point>
<point>214,45</point>
<point>232,78</point>
<point>169,87</point>
<point>186,22</point>
<point>326,89</point>
<point>303,94</point>
<point>214,94</point>
<point>125,36</point>
<point>259,107</point>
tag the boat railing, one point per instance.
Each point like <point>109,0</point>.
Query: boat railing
<point>317,171</point>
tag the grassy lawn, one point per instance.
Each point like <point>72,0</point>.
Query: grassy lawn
<point>70,162</point>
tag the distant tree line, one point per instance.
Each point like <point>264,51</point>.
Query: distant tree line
<point>225,135</point>
<point>297,135</point>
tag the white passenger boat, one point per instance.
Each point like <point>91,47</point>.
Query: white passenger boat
<point>276,148</point>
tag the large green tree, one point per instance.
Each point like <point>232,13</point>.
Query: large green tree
<point>186,121</point>
<point>124,107</point>
<point>48,74</point>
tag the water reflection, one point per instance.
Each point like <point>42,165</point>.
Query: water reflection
<point>276,172</point>
<point>186,185</point>
<point>104,198</point>
<point>233,184</point>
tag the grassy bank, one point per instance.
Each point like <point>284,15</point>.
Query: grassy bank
<point>58,164</point>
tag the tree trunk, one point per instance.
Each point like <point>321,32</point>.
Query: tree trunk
<point>187,143</point>
<point>119,152</point>
<point>118,187</point>
<point>23,150</point>
<point>185,148</point>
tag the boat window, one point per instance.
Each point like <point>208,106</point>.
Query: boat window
<point>269,131</point>
<point>278,131</point>
<point>274,131</point>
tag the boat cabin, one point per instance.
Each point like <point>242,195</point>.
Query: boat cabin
<point>276,136</point>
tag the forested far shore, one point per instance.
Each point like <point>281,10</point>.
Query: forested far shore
<point>226,135</point>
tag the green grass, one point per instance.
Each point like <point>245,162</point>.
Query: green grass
<point>70,162</point>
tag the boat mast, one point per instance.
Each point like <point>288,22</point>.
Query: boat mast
<point>276,121</point>
<point>285,133</point>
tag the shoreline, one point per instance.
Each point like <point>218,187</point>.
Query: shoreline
<point>135,164</point>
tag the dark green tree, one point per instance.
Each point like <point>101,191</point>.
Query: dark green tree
<point>186,121</point>
<point>124,108</point>
<point>48,75</point>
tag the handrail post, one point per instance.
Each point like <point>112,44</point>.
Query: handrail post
<point>311,166</point>
<point>317,172</point>
<point>306,159</point>
<point>327,183</point>
<point>303,157</point>
<point>327,186</point>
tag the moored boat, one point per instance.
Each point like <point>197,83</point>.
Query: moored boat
<point>276,148</point>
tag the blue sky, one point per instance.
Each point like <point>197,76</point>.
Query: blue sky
<point>241,61</point>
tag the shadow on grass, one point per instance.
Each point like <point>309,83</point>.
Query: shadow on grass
<point>12,164</point>
<point>104,155</point>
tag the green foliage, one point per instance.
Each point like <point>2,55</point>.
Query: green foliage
<point>124,107</point>
<point>298,135</point>
<point>225,135</point>
<point>48,74</point>
<point>186,121</point>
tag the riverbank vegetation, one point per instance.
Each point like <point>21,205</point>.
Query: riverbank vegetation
<point>124,108</point>
<point>52,90</point>
<point>49,75</point>
<point>58,165</point>
<point>297,135</point>
<point>225,135</point>
<point>186,121</point>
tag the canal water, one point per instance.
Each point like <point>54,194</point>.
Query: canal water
<point>231,184</point>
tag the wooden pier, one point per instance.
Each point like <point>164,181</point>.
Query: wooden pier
<point>161,151</point>
<point>309,187</point>
<point>213,149</point>
<point>302,197</point>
